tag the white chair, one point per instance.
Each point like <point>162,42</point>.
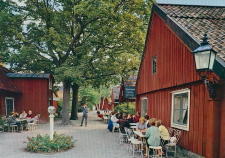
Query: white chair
<point>122,137</point>
<point>38,118</point>
<point>130,138</point>
<point>33,125</point>
<point>156,147</point>
<point>137,147</point>
<point>115,126</point>
<point>171,147</point>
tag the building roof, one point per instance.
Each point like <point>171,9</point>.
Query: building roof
<point>6,83</point>
<point>35,75</point>
<point>198,20</point>
<point>5,70</point>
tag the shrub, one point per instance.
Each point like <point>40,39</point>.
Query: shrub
<point>43,143</point>
<point>128,109</point>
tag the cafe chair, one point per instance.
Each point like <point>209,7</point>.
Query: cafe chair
<point>38,118</point>
<point>171,146</point>
<point>5,124</point>
<point>33,125</point>
<point>115,126</point>
<point>122,137</point>
<point>137,147</point>
<point>170,130</point>
<point>130,137</point>
<point>156,147</point>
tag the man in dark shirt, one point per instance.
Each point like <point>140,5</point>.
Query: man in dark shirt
<point>123,123</point>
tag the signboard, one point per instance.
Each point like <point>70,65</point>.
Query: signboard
<point>129,92</point>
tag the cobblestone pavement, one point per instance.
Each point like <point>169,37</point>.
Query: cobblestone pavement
<point>93,141</point>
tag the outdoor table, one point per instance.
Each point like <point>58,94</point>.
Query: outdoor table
<point>140,134</point>
<point>133,124</point>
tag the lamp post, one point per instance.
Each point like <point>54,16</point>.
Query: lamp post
<point>204,60</point>
<point>51,110</point>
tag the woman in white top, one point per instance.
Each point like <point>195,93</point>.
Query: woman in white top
<point>114,119</point>
<point>23,115</point>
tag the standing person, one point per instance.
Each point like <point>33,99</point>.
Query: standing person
<point>85,115</point>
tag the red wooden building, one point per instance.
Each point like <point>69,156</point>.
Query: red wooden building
<point>105,105</point>
<point>168,86</point>
<point>25,92</point>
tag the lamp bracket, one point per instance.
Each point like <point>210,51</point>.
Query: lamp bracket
<point>211,87</point>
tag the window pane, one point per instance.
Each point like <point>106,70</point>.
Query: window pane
<point>154,64</point>
<point>181,109</point>
<point>176,116</point>
<point>144,107</point>
<point>185,117</point>
<point>9,106</point>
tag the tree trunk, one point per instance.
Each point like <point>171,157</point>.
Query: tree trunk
<point>74,115</point>
<point>66,100</point>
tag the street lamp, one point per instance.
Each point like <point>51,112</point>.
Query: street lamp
<point>51,111</point>
<point>204,60</point>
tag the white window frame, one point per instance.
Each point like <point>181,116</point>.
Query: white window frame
<point>175,125</point>
<point>144,98</point>
<point>50,83</point>
<point>7,106</point>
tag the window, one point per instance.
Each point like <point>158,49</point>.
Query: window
<point>144,106</point>
<point>180,109</point>
<point>50,83</point>
<point>154,65</point>
<point>9,104</point>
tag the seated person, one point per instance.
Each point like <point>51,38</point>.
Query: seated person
<point>130,118</point>
<point>30,119</point>
<point>147,120</point>
<point>163,131</point>
<point>150,135</point>
<point>23,115</point>
<point>15,114</point>
<point>123,123</point>
<point>100,115</point>
<point>137,117</point>
<point>114,119</point>
<point>12,121</point>
<point>141,125</point>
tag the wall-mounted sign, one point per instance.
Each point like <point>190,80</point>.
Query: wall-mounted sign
<point>129,92</point>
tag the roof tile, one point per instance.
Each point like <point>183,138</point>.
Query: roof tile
<point>198,20</point>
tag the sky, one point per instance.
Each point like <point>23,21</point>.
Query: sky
<point>194,2</point>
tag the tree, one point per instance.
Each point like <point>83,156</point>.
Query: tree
<point>80,42</point>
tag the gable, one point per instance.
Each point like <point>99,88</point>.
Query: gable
<point>174,31</point>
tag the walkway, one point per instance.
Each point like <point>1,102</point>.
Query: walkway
<point>93,141</point>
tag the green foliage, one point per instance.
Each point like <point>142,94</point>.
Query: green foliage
<point>128,109</point>
<point>60,142</point>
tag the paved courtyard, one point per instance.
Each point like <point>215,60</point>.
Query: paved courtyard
<point>93,141</point>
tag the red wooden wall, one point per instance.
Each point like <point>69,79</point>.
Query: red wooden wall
<point>175,63</point>
<point>106,106</point>
<point>175,71</point>
<point>35,96</point>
